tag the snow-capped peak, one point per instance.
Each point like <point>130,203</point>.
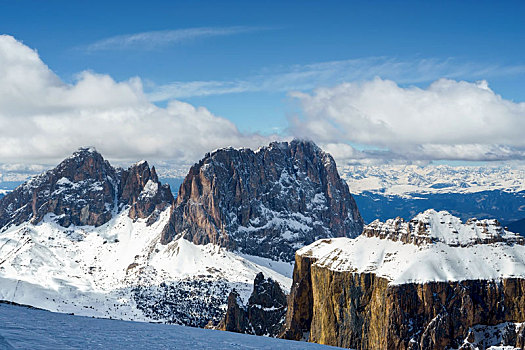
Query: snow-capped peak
<point>432,226</point>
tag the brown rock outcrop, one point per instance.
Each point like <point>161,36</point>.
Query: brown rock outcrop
<point>363,311</point>
<point>266,203</point>
<point>264,313</point>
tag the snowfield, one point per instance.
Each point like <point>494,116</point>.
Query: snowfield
<point>120,270</point>
<point>452,256</point>
<point>25,328</point>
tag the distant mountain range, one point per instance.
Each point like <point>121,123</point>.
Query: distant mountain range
<point>383,192</point>
<point>413,180</point>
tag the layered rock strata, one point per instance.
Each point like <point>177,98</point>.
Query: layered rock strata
<point>418,285</point>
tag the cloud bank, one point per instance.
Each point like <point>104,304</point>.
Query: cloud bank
<point>42,119</point>
<point>451,120</point>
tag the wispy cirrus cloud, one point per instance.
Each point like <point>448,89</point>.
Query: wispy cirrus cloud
<point>162,38</point>
<point>311,76</point>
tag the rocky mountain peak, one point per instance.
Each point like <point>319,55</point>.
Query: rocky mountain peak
<point>86,163</point>
<point>267,202</point>
<point>267,293</point>
<point>85,189</point>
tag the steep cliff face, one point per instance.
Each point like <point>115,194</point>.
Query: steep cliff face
<point>86,190</point>
<point>362,311</point>
<point>262,315</point>
<point>267,203</point>
<point>376,292</point>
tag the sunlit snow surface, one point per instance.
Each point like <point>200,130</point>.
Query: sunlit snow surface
<point>92,271</point>
<point>444,260</point>
<point>24,328</point>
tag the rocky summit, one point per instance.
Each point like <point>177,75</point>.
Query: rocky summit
<point>267,202</point>
<point>431,283</point>
<point>85,189</point>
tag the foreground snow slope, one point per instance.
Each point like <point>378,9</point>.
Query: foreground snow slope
<point>25,328</point>
<point>434,246</point>
<point>121,270</point>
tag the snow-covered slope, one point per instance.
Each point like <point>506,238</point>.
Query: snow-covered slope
<point>86,238</point>
<point>120,270</point>
<point>24,328</point>
<point>410,180</point>
<point>434,246</point>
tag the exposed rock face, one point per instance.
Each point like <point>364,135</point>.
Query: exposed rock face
<point>85,190</point>
<point>263,315</point>
<point>506,335</point>
<point>367,301</point>
<point>300,301</point>
<point>267,203</point>
<point>363,311</point>
<point>141,190</point>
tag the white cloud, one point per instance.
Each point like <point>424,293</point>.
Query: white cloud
<point>155,39</point>
<point>447,120</point>
<point>311,76</point>
<point>43,119</point>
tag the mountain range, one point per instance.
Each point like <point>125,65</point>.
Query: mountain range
<point>91,239</point>
<point>484,192</point>
<point>267,242</point>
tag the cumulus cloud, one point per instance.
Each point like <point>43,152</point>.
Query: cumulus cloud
<point>454,120</point>
<point>155,39</point>
<point>43,119</point>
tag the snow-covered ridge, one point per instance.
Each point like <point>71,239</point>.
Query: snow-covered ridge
<point>407,180</point>
<point>121,270</point>
<point>432,226</point>
<point>451,251</point>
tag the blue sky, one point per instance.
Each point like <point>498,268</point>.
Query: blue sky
<point>242,59</point>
